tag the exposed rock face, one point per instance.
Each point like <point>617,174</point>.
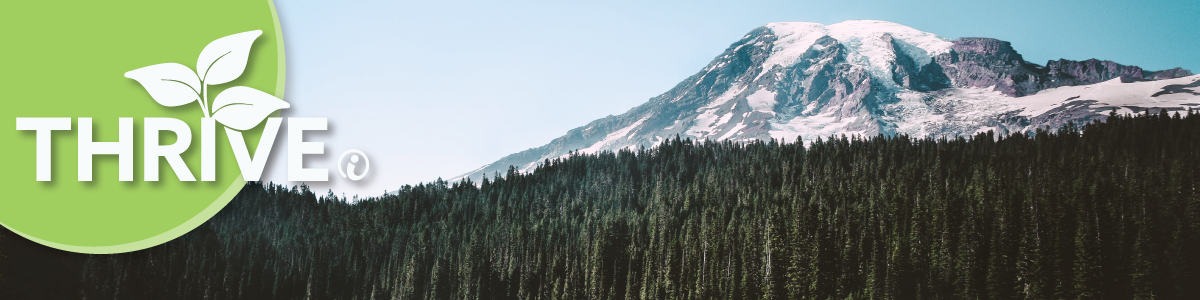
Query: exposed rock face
<point>806,80</point>
<point>986,62</point>
<point>1069,72</point>
<point>1170,73</point>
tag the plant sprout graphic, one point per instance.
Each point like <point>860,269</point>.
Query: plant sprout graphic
<point>222,61</point>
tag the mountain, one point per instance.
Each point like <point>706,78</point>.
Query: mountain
<point>794,80</point>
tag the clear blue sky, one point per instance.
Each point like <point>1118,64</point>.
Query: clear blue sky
<point>437,88</point>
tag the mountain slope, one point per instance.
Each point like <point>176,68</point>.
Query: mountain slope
<point>806,80</point>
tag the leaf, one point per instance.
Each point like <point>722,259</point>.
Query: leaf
<point>243,107</point>
<point>170,84</point>
<point>224,59</point>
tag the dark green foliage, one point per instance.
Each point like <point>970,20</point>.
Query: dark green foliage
<point>1107,211</point>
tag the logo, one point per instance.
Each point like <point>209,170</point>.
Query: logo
<point>352,169</point>
<point>105,153</point>
<point>172,84</point>
<point>220,62</point>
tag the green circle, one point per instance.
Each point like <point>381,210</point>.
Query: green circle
<point>68,59</point>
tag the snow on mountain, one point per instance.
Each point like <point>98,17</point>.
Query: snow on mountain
<point>794,80</point>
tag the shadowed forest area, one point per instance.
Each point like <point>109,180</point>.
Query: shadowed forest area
<point>1098,211</point>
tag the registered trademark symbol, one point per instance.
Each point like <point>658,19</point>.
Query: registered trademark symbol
<point>350,169</point>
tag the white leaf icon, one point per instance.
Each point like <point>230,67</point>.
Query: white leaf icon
<point>170,84</point>
<point>243,108</point>
<point>224,59</point>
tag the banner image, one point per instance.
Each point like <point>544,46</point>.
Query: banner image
<point>362,149</point>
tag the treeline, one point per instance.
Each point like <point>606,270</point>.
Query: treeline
<point>1099,211</point>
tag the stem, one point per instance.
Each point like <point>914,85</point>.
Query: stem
<point>204,99</point>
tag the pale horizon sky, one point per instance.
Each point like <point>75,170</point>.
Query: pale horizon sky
<point>437,89</point>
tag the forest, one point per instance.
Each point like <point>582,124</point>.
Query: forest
<point>1103,210</point>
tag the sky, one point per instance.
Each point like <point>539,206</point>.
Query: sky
<point>434,89</point>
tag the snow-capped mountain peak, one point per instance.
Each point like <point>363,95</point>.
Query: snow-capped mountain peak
<point>791,80</point>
